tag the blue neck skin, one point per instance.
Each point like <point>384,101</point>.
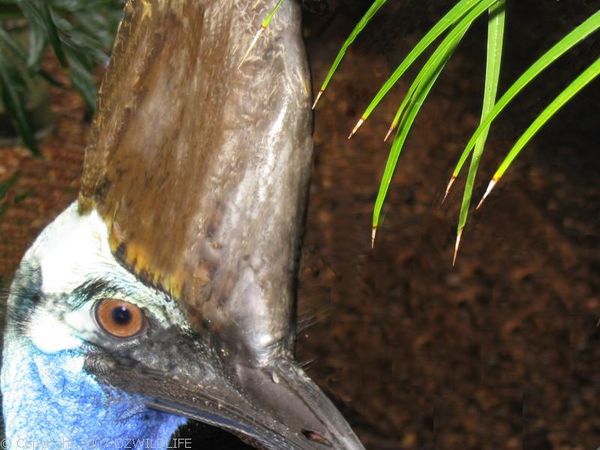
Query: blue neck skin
<point>49,402</point>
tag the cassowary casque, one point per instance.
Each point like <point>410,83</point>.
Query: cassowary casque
<point>165,292</point>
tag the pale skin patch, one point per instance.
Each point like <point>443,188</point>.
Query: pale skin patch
<point>50,334</point>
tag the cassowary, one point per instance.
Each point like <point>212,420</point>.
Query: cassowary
<point>165,292</point>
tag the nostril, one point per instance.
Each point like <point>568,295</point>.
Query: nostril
<point>316,437</point>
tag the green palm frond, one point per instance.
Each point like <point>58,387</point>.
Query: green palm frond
<point>578,34</point>
<point>451,29</point>
<point>430,71</point>
<point>496,26</point>
<point>442,26</point>
<point>362,23</point>
<point>585,78</point>
<point>407,114</point>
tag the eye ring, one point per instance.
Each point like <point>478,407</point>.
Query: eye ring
<point>119,319</point>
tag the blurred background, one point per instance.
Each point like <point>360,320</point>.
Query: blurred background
<point>501,351</point>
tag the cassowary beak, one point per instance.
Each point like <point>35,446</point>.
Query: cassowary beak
<point>280,408</point>
<point>274,407</point>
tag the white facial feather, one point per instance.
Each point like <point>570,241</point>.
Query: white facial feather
<point>72,249</point>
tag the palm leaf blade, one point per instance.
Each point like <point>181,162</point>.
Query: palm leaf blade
<point>581,32</point>
<point>496,25</point>
<point>406,116</point>
<point>362,23</point>
<point>451,17</point>
<point>585,78</point>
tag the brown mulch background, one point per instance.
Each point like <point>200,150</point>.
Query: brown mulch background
<point>500,352</point>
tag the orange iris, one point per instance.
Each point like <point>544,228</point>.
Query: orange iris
<point>119,319</point>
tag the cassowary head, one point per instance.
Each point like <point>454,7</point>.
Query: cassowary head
<point>165,292</point>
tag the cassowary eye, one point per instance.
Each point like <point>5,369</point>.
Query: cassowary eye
<point>119,319</point>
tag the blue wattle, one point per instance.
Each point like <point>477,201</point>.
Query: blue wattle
<point>50,402</point>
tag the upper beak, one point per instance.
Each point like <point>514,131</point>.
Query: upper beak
<point>275,406</point>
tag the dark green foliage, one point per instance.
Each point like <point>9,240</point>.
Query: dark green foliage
<point>4,188</point>
<point>79,32</point>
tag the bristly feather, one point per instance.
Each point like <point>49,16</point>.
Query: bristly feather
<point>306,321</point>
<point>91,289</point>
<point>27,288</point>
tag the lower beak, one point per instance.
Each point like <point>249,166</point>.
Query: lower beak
<point>275,407</point>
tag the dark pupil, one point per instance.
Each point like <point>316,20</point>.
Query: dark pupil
<point>121,315</point>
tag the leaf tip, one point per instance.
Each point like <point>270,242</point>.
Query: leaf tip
<point>373,236</point>
<point>252,44</point>
<point>389,133</point>
<point>448,187</point>
<point>317,99</point>
<point>457,246</point>
<point>356,127</point>
<point>487,192</point>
